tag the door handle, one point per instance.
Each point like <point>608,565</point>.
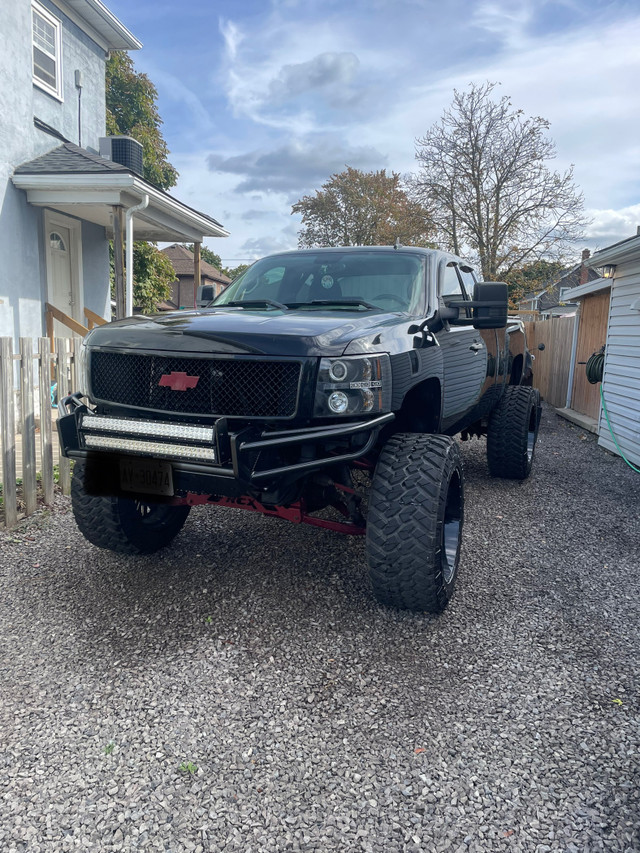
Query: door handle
<point>475,347</point>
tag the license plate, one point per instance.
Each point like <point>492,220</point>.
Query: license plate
<point>148,476</point>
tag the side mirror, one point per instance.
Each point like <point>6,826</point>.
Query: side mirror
<point>490,305</point>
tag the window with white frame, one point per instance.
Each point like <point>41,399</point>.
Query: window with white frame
<point>47,71</point>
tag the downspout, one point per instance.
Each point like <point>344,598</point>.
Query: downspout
<point>572,362</point>
<point>128,310</point>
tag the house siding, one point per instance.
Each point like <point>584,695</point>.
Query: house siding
<point>621,380</point>
<point>23,274</point>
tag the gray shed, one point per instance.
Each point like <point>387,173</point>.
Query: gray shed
<point>621,379</point>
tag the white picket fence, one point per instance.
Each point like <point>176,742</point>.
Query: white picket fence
<point>28,443</point>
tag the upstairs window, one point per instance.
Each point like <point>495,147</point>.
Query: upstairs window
<point>47,72</point>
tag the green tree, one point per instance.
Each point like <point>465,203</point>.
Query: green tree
<point>153,273</point>
<point>234,272</point>
<point>356,208</point>
<point>531,278</point>
<point>132,111</point>
<point>484,177</point>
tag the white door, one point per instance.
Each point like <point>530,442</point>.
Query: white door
<point>63,254</point>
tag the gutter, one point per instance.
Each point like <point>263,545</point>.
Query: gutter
<point>626,250</point>
<point>128,299</point>
<point>574,350</point>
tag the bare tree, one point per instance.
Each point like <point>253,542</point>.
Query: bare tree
<point>356,208</point>
<point>483,177</point>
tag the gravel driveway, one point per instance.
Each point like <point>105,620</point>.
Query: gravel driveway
<point>241,691</point>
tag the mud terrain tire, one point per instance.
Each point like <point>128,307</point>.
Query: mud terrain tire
<point>513,432</point>
<point>123,525</point>
<point>414,525</point>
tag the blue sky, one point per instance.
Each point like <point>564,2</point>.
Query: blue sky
<point>262,101</point>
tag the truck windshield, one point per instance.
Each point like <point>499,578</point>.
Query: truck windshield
<point>356,280</point>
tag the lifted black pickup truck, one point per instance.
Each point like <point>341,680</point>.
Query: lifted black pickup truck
<point>317,377</point>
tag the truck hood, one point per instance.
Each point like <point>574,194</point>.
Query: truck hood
<point>242,331</point>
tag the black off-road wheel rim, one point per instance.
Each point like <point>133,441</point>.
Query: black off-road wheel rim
<point>151,516</point>
<point>532,434</point>
<point>451,529</point>
<point>123,525</point>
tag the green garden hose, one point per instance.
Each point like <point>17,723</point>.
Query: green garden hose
<point>595,371</point>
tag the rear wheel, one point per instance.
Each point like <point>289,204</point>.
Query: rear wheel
<point>414,527</point>
<point>513,432</point>
<point>123,525</point>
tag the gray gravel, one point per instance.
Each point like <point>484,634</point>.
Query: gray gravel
<point>242,691</point>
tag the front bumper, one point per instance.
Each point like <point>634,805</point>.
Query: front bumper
<point>216,455</point>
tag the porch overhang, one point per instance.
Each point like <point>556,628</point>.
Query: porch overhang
<point>587,289</point>
<point>93,196</point>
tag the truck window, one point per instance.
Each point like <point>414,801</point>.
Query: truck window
<point>449,281</point>
<point>468,280</point>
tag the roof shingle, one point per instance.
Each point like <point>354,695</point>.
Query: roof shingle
<point>182,260</point>
<point>71,159</point>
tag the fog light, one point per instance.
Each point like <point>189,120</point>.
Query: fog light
<point>338,402</point>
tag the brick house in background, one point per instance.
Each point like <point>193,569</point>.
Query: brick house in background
<point>212,281</point>
<point>551,300</point>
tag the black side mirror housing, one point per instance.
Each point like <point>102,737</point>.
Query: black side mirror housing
<point>490,306</point>
<point>492,301</point>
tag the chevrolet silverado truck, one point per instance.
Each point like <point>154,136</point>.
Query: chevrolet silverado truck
<point>323,386</point>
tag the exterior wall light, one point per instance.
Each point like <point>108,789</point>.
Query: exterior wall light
<point>608,270</point>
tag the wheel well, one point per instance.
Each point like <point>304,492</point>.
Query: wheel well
<point>420,410</point>
<point>516,370</point>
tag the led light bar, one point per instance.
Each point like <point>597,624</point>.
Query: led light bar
<point>129,426</point>
<point>149,448</point>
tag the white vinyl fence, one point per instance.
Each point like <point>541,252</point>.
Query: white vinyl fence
<point>29,379</point>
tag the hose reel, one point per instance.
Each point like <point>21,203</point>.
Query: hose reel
<point>595,367</point>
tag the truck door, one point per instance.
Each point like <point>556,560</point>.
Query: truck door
<point>494,340</point>
<point>464,352</point>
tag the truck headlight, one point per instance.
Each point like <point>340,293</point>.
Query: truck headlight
<point>353,385</point>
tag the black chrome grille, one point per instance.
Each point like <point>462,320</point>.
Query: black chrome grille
<point>230,387</point>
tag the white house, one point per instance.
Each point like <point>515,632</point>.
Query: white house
<point>59,198</point>
<point>621,378</point>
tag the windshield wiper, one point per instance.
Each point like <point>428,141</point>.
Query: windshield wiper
<point>356,303</point>
<point>255,303</point>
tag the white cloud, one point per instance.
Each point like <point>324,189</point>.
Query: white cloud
<point>287,74</point>
<point>295,166</point>
<point>232,37</point>
<point>504,22</point>
<point>609,226</point>
<point>329,73</point>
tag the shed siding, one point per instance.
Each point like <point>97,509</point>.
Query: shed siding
<point>592,334</point>
<point>621,381</point>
